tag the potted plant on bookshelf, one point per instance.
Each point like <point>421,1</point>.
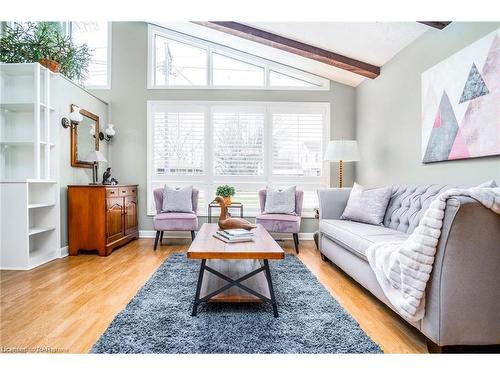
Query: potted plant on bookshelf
<point>226,192</point>
<point>44,42</point>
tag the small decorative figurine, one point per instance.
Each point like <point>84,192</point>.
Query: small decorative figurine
<point>226,222</point>
<point>106,177</point>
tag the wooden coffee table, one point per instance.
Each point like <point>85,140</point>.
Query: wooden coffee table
<point>234,272</point>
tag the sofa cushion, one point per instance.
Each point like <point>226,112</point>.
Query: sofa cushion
<point>280,201</point>
<point>279,223</point>
<point>357,237</point>
<point>367,205</point>
<point>176,221</point>
<point>177,199</point>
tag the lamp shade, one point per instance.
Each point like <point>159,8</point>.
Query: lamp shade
<point>75,115</point>
<point>95,156</point>
<point>345,150</point>
<point>110,130</point>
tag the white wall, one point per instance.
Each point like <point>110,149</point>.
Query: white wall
<point>66,93</point>
<point>388,125</point>
<point>129,94</point>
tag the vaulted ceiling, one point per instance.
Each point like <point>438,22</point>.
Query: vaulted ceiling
<point>374,43</point>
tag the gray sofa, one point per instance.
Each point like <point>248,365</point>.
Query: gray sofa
<point>463,293</point>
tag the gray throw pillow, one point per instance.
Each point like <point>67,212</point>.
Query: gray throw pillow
<point>367,205</point>
<point>280,201</point>
<point>177,199</point>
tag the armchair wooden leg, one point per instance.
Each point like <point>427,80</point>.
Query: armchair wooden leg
<point>296,242</point>
<point>192,235</point>
<point>161,237</point>
<point>156,239</point>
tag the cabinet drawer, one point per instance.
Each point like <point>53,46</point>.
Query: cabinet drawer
<point>126,191</point>
<point>110,193</point>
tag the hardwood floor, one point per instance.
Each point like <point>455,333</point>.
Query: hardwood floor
<point>65,305</point>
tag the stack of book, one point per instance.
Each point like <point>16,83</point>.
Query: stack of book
<point>234,235</point>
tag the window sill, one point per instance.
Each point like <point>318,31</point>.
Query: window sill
<point>251,216</point>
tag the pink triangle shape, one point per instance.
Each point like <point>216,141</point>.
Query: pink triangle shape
<point>459,149</point>
<point>438,121</point>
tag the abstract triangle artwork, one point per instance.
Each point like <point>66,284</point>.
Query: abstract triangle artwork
<point>443,132</point>
<point>466,123</point>
<point>480,126</point>
<point>474,87</point>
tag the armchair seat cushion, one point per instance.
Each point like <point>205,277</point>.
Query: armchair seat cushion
<point>175,221</point>
<point>279,223</point>
<point>357,237</point>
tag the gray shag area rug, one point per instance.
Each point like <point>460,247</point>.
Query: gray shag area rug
<point>158,319</point>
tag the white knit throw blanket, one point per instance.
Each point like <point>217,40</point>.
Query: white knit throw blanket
<point>403,268</point>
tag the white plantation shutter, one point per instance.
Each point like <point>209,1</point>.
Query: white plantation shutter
<point>247,145</point>
<point>310,199</point>
<point>178,140</point>
<point>238,141</point>
<point>297,144</point>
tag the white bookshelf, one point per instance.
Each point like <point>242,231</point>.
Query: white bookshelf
<point>29,223</point>
<point>29,219</point>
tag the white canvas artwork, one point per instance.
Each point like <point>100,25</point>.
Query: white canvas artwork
<point>461,103</point>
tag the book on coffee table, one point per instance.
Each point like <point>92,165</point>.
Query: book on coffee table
<point>238,232</point>
<point>231,239</point>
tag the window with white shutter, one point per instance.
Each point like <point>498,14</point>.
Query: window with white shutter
<point>249,145</point>
<point>178,140</point>
<point>238,141</point>
<point>297,147</point>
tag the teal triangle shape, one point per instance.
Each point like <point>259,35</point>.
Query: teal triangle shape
<point>474,86</point>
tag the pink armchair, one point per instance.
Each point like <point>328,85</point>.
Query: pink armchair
<point>170,221</point>
<point>282,223</point>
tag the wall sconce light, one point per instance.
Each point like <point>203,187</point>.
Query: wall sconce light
<point>73,119</point>
<point>108,134</point>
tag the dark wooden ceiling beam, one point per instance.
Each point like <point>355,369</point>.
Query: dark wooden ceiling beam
<point>436,24</point>
<point>295,47</point>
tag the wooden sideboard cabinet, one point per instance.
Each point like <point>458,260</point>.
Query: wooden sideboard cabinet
<point>101,217</point>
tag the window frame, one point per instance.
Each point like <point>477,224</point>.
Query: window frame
<point>208,181</point>
<point>109,51</point>
<point>238,58</point>
<point>152,57</point>
<point>323,84</point>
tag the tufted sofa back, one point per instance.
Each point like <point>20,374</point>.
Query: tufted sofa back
<point>408,204</point>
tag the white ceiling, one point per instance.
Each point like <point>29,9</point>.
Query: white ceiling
<point>371,42</point>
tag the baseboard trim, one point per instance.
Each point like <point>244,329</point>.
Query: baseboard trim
<point>279,236</point>
<point>64,252</point>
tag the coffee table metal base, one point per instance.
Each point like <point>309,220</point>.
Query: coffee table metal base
<point>235,282</point>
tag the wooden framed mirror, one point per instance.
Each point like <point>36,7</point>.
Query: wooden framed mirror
<point>82,141</point>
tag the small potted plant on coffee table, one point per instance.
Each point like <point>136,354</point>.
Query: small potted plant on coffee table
<point>226,192</point>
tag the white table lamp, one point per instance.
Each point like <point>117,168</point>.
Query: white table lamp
<point>340,151</point>
<point>95,157</point>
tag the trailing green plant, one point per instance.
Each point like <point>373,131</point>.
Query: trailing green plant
<point>30,42</point>
<point>225,191</point>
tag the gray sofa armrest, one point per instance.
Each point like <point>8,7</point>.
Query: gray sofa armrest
<point>463,294</point>
<point>332,202</point>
